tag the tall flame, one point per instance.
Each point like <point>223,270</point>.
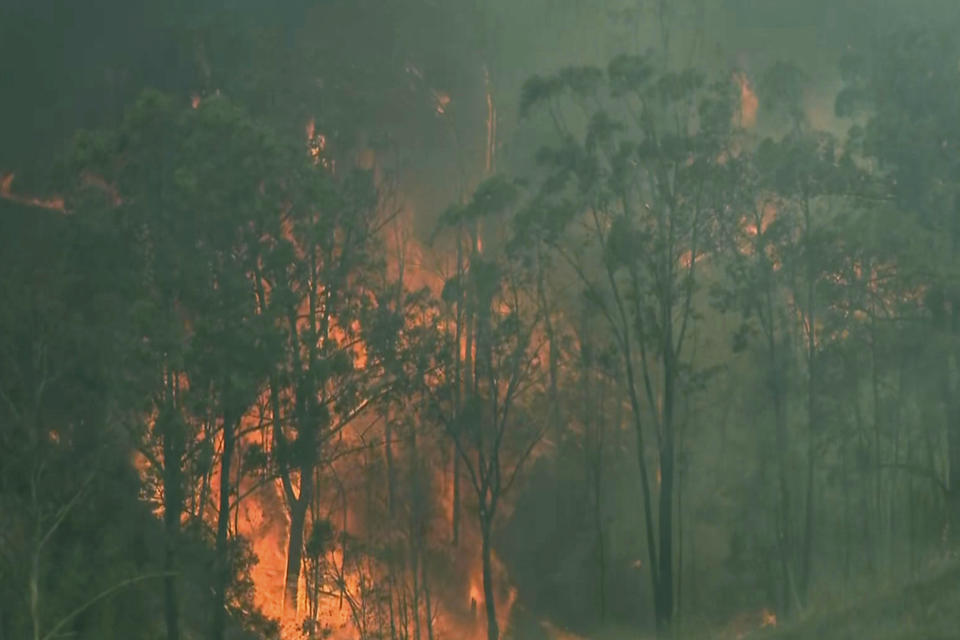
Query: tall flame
<point>748,100</point>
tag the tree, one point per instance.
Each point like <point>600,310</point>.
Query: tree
<point>907,89</point>
<point>634,188</point>
<point>493,433</point>
<point>316,290</point>
<point>70,386</point>
<point>204,213</point>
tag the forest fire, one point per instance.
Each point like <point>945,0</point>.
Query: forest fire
<point>339,591</point>
<point>406,331</point>
<point>759,225</point>
<point>264,522</point>
<point>464,617</point>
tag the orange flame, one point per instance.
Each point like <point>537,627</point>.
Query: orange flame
<point>441,101</point>
<point>748,100</point>
<point>768,618</point>
<point>54,203</point>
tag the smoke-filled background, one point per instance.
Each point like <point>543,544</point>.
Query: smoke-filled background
<point>479,318</point>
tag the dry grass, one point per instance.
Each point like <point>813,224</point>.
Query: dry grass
<point>926,609</point>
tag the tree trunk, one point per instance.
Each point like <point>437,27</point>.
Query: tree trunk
<point>493,629</point>
<point>597,472</point>
<point>455,534</point>
<point>808,528</point>
<point>415,575</point>
<point>664,604</point>
<point>173,504</point>
<point>953,460</point>
<point>388,459</point>
<point>845,530</point>
<point>601,561</point>
<point>291,581</point>
<point>222,573</point>
<point>552,360</point>
<point>392,588</point>
<point>785,547</point>
<point>427,599</point>
<point>458,392</point>
<point>807,559</point>
<point>953,401</point>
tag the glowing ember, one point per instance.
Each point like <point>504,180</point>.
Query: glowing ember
<point>768,618</point>
<point>747,623</point>
<point>685,259</point>
<point>441,100</point>
<point>317,144</point>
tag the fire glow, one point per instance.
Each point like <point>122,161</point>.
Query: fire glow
<point>748,101</point>
<point>53,203</point>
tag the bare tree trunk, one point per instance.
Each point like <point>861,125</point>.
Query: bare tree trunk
<point>953,401</point>
<point>953,460</point>
<point>393,597</point>
<point>784,529</point>
<point>664,613</point>
<point>878,461</point>
<point>493,629</point>
<point>427,600</point>
<point>456,496</point>
<point>553,363</point>
<point>388,457</point>
<point>458,391</point>
<point>173,504</point>
<point>291,583</point>
<point>807,558</point>
<point>222,574</point>
<point>201,504</point>
<point>415,574</point>
<point>594,420</point>
<point>845,485</point>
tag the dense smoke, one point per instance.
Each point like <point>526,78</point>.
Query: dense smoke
<point>479,319</point>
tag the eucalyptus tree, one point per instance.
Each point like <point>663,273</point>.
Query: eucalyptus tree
<point>70,386</point>
<point>125,159</point>
<point>632,193</point>
<point>903,94</point>
<point>783,254</point>
<point>317,291</point>
<point>786,265</point>
<point>492,427</point>
<point>200,188</point>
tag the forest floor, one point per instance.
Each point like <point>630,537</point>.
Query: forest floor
<point>924,609</point>
<point>927,608</point>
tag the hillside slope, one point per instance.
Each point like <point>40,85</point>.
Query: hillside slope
<point>926,609</point>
